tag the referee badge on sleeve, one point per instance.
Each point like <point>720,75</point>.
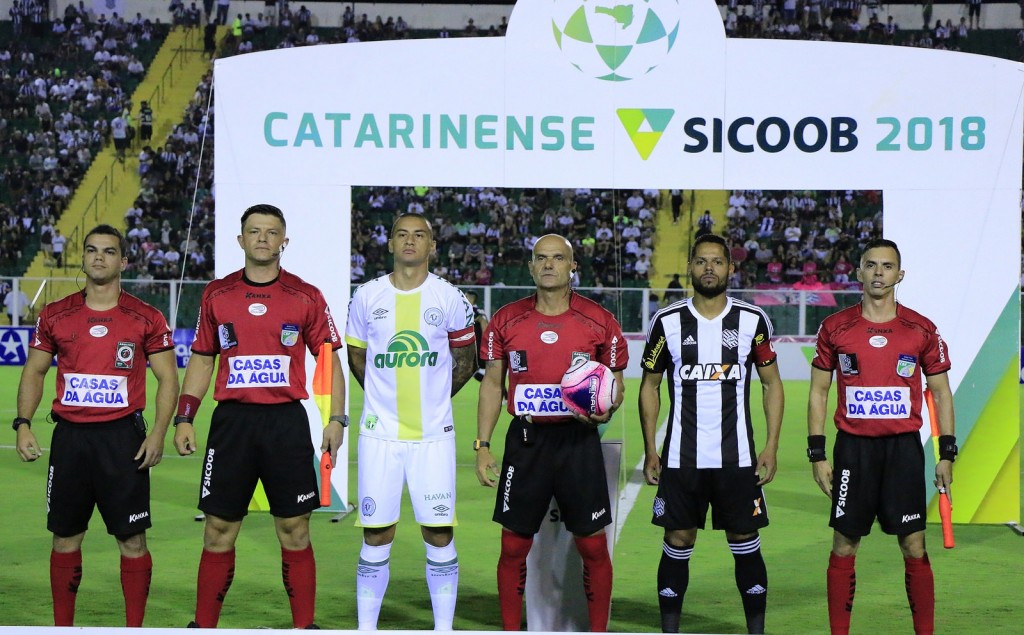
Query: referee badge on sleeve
<point>125,355</point>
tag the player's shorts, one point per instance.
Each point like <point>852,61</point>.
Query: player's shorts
<point>145,132</point>
<point>736,500</point>
<point>974,10</point>
<point>427,466</point>
<point>564,461</point>
<point>878,476</point>
<point>120,143</point>
<point>93,465</point>
<point>258,442</point>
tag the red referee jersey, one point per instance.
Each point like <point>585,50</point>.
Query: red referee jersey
<point>101,355</point>
<point>879,368</point>
<point>538,349</point>
<point>261,332</point>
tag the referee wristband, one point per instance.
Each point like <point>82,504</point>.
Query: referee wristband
<point>181,419</point>
<point>188,406</point>
<point>21,421</point>
<point>947,448</point>
<point>342,419</point>
<point>816,448</point>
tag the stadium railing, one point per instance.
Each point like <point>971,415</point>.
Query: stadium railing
<point>793,312</point>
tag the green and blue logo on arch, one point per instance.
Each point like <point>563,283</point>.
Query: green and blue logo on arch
<point>645,127</point>
<point>406,349</point>
<point>615,40</point>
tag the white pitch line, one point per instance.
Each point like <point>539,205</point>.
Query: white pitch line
<point>629,494</point>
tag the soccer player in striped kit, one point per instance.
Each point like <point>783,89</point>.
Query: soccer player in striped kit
<point>707,346</point>
<point>260,321</point>
<point>879,350</point>
<point>100,454</point>
<point>411,346</point>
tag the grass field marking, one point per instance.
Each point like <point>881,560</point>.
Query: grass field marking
<point>635,483</point>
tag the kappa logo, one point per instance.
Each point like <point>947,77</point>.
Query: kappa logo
<point>598,514</point>
<point>645,127</point>
<point>909,517</point>
<point>302,498</point>
<point>135,517</point>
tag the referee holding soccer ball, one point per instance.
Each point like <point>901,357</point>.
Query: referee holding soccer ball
<point>707,346</point>
<point>548,451</point>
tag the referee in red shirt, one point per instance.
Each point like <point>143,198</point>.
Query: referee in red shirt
<point>260,321</point>
<point>100,452</point>
<point>548,451</point>
<point>879,350</point>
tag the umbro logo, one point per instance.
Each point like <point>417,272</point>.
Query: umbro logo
<point>441,509</point>
<point>380,314</point>
<point>689,341</point>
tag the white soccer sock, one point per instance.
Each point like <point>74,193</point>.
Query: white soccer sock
<point>372,574</point>
<point>443,583</point>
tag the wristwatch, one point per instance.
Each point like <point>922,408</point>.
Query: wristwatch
<point>21,421</point>
<point>342,419</point>
<point>477,444</point>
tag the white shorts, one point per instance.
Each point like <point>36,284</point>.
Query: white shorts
<point>427,466</point>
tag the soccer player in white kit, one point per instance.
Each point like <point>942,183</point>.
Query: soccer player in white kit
<point>411,347</point>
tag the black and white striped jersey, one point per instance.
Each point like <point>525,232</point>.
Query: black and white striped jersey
<point>708,363</point>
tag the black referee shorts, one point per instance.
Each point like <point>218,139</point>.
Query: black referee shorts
<point>255,442</point>
<point>879,477</point>
<point>564,461</point>
<point>92,465</point>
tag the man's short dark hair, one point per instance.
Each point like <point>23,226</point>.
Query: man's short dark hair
<point>430,227</point>
<point>714,239</point>
<point>264,208</point>
<point>876,243</point>
<point>108,230</point>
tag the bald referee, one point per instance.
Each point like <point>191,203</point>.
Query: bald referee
<point>100,452</point>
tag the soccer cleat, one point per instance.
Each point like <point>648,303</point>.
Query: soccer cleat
<point>312,627</point>
<point>192,624</point>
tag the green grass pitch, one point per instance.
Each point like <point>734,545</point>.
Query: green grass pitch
<point>977,584</point>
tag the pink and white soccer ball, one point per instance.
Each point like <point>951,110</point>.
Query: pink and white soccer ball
<point>589,387</point>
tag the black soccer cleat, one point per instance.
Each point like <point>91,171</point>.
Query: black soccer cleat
<point>192,624</point>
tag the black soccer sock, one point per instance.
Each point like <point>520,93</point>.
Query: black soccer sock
<point>673,578</point>
<point>751,580</point>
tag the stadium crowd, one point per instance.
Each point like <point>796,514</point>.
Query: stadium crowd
<point>67,85</point>
<point>60,82</point>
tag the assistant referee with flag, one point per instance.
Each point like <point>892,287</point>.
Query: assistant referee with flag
<point>260,320</point>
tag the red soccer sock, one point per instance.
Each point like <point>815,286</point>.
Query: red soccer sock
<point>65,576</point>
<point>136,574</point>
<point>216,571</point>
<point>597,579</point>
<point>921,593</point>
<point>298,571</point>
<point>512,578</point>
<point>842,584</point>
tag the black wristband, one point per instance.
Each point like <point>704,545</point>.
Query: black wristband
<point>21,421</point>
<point>947,448</point>
<point>181,419</point>
<point>816,448</point>
<point>342,419</point>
